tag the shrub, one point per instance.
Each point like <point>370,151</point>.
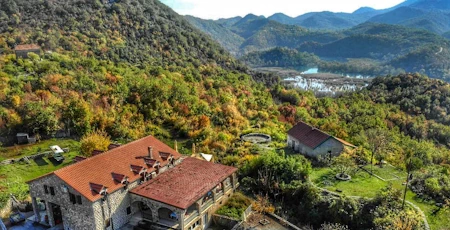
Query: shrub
<point>235,206</point>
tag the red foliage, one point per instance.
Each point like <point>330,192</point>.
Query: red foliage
<point>288,111</point>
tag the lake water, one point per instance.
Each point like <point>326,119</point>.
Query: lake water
<point>332,85</point>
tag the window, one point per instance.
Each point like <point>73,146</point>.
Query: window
<point>72,198</point>
<point>46,189</point>
<point>52,190</point>
<point>128,210</point>
<point>79,199</point>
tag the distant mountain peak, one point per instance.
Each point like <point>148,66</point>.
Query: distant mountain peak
<point>363,10</point>
<point>252,16</point>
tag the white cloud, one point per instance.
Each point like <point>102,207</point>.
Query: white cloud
<point>214,9</point>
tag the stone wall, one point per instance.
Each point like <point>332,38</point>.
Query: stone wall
<point>225,221</point>
<point>75,216</point>
<point>116,204</point>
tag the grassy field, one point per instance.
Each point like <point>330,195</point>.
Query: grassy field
<point>365,185</point>
<point>18,151</point>
<point>14,176</point>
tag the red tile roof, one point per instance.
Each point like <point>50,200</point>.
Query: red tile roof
<point>27,47</point>
<point>308,135</point>
<point>186,183</point>
<point>98,169</point>
<point>312,137</point>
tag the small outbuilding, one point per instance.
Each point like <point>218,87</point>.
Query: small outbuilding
<point>24,138</point>
<point>22,51</point>
<point>313,142</point>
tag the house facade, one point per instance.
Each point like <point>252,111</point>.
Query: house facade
<point>22,51</point>
<point>106,191</point>
<point>313,142</point>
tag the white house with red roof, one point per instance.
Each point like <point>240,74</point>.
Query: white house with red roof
<point>313,142</point>
<point>144,183</point>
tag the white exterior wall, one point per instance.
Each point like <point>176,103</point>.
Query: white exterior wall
<point>331,144</point>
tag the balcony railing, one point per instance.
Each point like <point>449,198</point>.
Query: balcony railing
<point>207,204</point>
<point>219,194</point>
<point>192,216</point>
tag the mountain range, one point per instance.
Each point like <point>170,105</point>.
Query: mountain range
<point>414,31</point>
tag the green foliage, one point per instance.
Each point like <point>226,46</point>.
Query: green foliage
<point>235,206</point>
<point>432,182</point>
<point>281,57</point>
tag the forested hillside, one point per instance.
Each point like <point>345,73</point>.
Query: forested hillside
<point>132,31</point>
<point>221,34</point>
<point>386,49</point>
<point>133,68</point>
<point>415,94</point>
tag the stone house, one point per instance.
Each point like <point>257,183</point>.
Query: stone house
<point>108,190</point>
<point>313,142</point>
<point>22,51</point>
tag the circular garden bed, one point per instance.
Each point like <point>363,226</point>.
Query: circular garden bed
<point>256,138</point>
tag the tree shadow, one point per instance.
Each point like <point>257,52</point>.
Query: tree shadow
<point>40,161</point>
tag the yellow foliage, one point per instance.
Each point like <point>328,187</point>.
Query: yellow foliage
<point>96,140</point>
<point>15,101</point>
<point>263,205</point>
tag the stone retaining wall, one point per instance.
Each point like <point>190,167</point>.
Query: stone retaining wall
<point>32,157</point>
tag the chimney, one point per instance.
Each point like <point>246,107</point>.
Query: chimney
<point>150,152</point>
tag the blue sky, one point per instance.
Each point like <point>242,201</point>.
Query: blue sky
<point>214,9</point>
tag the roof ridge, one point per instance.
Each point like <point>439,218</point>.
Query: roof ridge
<point>96,156</point>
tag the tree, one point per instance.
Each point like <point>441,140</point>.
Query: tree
<point>40,119</point>
<point>96,140</point>
<point>344,164</point>
<point>78,115</point>
<point>262,205</point>
<point>379,141</point>
<point>412,163</point>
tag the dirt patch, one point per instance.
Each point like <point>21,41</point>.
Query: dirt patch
<point>257,220</point>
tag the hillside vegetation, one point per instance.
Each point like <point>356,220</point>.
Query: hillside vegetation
<point>134,68</point>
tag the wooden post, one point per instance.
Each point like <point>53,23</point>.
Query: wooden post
<point>176,146</point>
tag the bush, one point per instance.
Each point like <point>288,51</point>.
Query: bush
<point>235,206</point>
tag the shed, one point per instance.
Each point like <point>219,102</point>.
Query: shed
<point>313,142</point>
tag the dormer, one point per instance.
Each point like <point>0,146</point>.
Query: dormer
<point>151,162</point>
<point>98,188</point>
<point>79,159</point>
<point>113,146</point>
<point>119,178</point>
<point>138,169</point>
<point>166,156</point>
<point>96,152</point>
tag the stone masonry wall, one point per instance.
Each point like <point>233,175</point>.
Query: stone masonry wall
<point>75,216</point>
